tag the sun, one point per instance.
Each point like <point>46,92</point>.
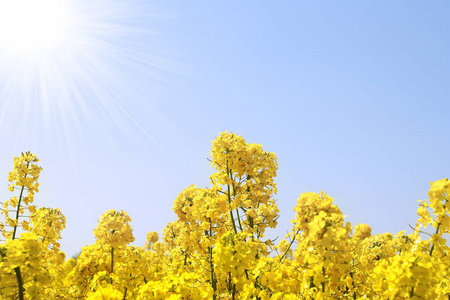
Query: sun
<point>68,67</point>
<point>32,25</point>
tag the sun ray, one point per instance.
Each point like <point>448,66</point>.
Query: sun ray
<point>88,75</point>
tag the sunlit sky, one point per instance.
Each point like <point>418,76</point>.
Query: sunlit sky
<point>353,98</point>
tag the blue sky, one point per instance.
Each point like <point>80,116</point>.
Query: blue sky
<point>351,96</point>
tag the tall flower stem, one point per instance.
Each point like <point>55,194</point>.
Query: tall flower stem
<point>17,269</point>
<point>19,281</point>
<point>18,205</point>
<point>112,262</point>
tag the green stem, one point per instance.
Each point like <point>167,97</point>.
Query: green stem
<point>185,259</point>
<point>112,262</point>
<point>229,199</point>
<point>250,222</point>
<point>231,211</point>
<point>237,209</point>
<point>20,282</point>
<point>293,239</point>
<point>432,247</point>
<point>18,205</point>
<point>211,266</point>
<point>323,283</point>
<point>239,219</point>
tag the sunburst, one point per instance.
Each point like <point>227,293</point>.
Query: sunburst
<point>68,66</point>
<point>28,26</point>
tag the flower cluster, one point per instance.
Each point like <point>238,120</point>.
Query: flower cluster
<point>24,179</point>
<point>114,229</point>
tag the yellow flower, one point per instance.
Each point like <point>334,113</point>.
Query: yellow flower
<point>114,229</point>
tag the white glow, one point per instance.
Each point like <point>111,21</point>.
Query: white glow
<point>30,25</point>
<point>73,66</point>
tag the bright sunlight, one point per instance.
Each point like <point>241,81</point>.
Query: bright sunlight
<point>63,63</point>
<point>29,25</point>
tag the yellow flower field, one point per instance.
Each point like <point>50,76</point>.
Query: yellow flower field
<point>216,248</point>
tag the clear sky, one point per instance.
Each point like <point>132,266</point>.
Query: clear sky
<point>352,96</point>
